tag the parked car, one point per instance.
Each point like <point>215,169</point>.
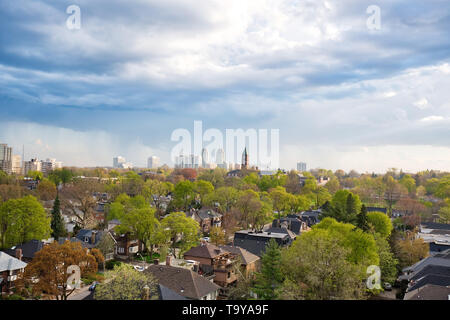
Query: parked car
<point>93,285</point>
<point>205,239</point>
<point>387,286</point>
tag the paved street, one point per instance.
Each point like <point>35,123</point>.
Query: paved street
<point>81,294</point>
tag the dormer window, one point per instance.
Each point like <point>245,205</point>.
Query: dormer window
<point>86,239</point>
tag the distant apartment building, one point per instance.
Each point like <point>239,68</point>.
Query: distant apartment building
<point>191,161</point>
<point>220,159</point>
<point>120,163</point>
<point>301,166</point>
<point>32,165</point>
<point>153,162</point>
<point>5,158</point>
<point>205,158</point>
<point>17,164</point>
<point>49,165</point>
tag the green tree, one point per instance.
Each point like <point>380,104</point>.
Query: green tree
<point>57,222</point>
<point>217,236</point>
<point>380,222</point>
<point>183,194</point>
<point>125,283</point>
<point>35,175</point>
<point>282,201</point>
<point>22,220</point>
<point>270,278</point>
<point>362,221</point>
<point>344,207</point>
<point>361,245</point>
<point>317,267</point>
<point>141,223</point>
<point>388,263</point>
<point>409,183</point>
<point>202,189</point>
<point>226,197</point>
<point>181,228</point>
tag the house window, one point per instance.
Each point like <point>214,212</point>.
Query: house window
<point>86,239</point>
<point>121,250</point>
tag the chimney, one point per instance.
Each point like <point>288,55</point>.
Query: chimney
<point>19,254</point>
<point>93,237</point>
<point>168,260</point>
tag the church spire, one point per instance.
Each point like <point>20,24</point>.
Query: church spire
<point>245,159</point>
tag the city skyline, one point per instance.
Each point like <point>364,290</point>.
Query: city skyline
<point>84,96</point>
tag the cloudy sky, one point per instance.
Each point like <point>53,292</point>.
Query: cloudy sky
<point>342,95</point>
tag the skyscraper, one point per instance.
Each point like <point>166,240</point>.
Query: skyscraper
<point>205,158</point>
<point>17,164</point>
<point>153,162</point>
<point>117,161</point>
<point>6,158</point>
<point>301,166</point>
<point>245,159</point>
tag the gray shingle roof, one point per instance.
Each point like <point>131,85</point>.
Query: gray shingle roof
<point>206,250</point>
<point>182,281</point>
<point>28,249</point>
<point>8,263</point>
<point>246,256</point>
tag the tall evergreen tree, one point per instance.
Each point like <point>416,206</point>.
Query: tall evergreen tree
<point>57,224</point>
<point>362,221</point>
<point>270,278</point>
<point>351,209</point>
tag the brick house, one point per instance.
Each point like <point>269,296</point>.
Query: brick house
<point>10,268</point>
<point>216,260</point>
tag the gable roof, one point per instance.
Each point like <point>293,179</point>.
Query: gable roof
<point>9,263</point>
<point>246,256</point>
<point>429,292</point>
<point>182,281</point>
<point>434,225</point>
<point>431,269</point>
<point>208,214</point>
<point>28,248</point>
<point>431,279</point>
<point>167,294</point>
<point>205,250</point>
<point>439,259</point>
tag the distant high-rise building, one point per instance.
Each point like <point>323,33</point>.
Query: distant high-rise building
<point>6,158</point>
<point>32,165</point>
<point>50,165</point>
<point>205,158</point>
<point>301,166</point>
<point>244,159</point>
<point>117,161</point>
<point>191,161</point>
<point>153,162</point>
<point>17,164</point>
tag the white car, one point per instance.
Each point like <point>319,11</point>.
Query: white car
<point>205,239</point>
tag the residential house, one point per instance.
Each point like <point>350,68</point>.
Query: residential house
<point>180,282</point>
<point>28,250</point>
<point>127,246</point>
<point>216,260</point>
<point>429,273</point>
<point>256,241</point>
<point>207,218</point>
<point>311,217</point>
<point>429,292</point>
<point>436,234</point>
<point>249,262</point>
<point>10,268</point>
